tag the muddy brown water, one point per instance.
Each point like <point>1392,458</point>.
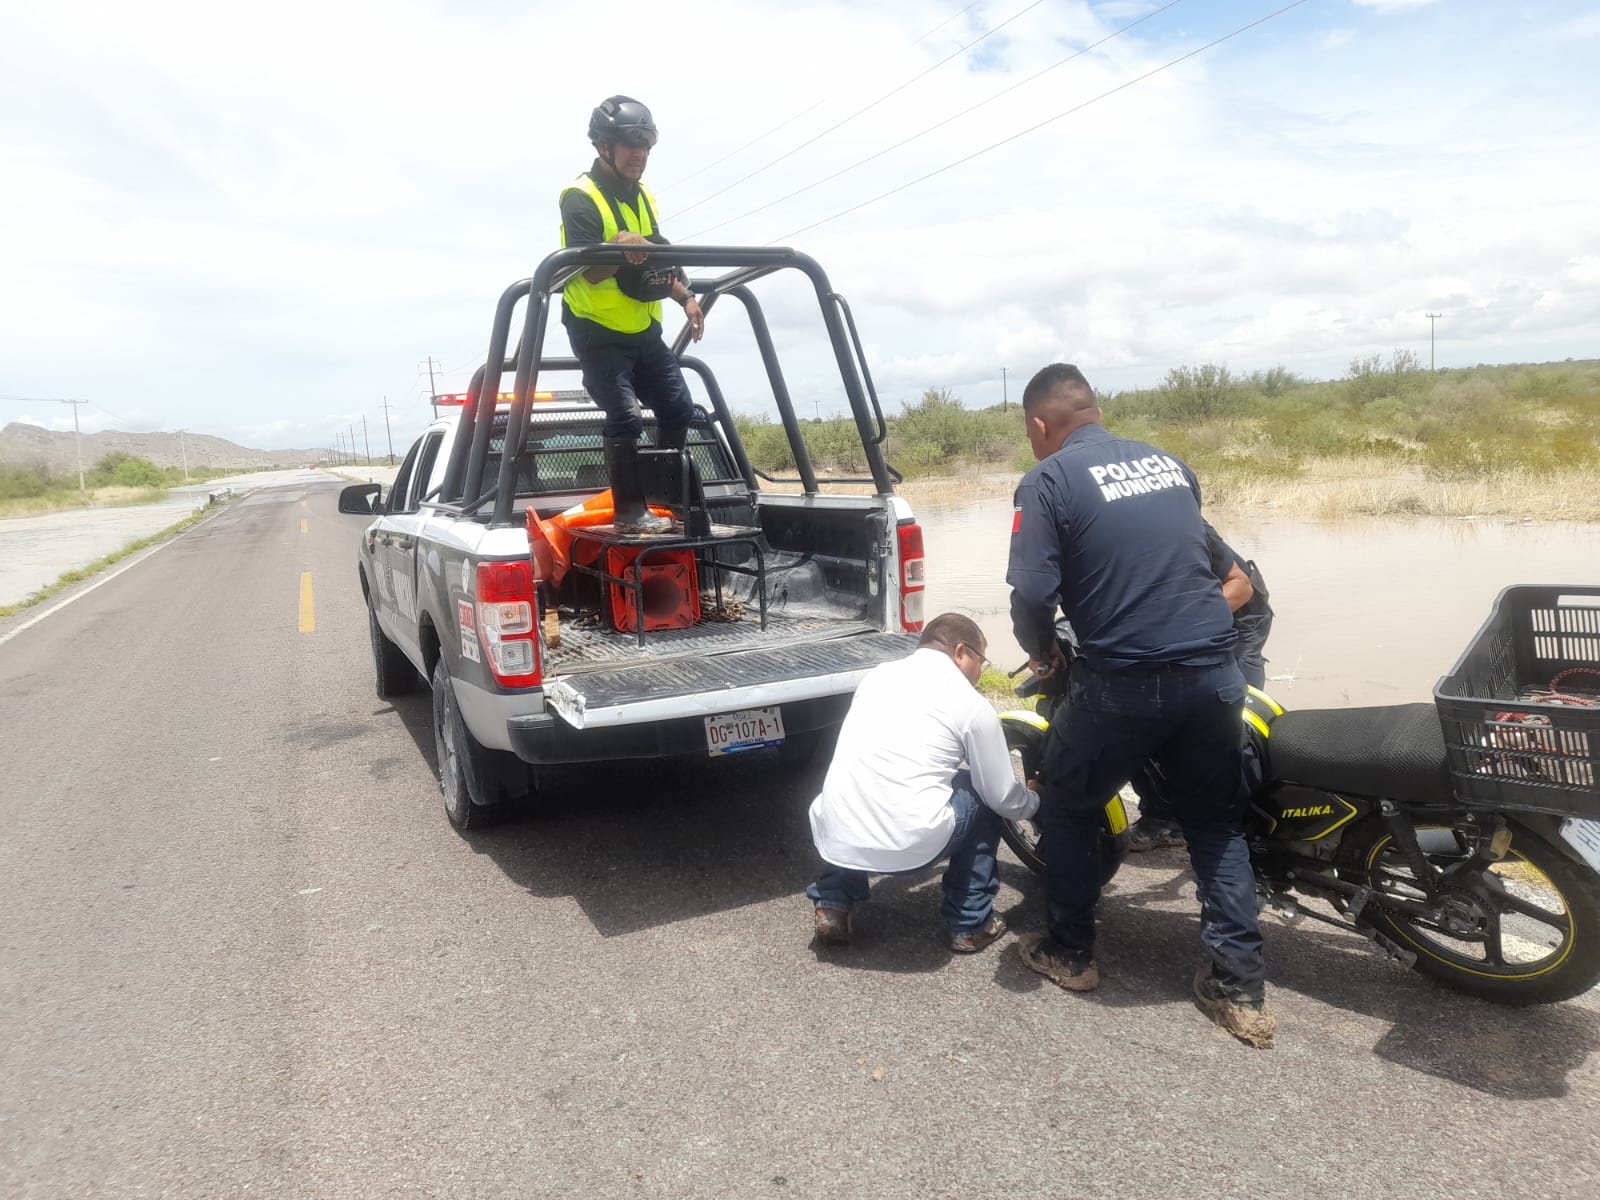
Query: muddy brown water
<point>1368,610</point>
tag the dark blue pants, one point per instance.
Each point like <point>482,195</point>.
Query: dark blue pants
<point>623,376</point>
<point>1249,651</point>
<point>1187,720</point>
<point>971,881</point>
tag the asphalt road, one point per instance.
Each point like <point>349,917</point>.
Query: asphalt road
<point>242,954</point>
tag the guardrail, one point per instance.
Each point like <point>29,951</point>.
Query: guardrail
<point>218,497</point>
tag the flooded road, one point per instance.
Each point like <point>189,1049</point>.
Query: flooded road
<point>1368,610</point>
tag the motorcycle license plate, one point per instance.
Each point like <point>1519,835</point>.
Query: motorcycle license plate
<point>1584,837</point>
<point>748,729</point>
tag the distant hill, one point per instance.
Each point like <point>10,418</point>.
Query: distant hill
<point>22,445</point>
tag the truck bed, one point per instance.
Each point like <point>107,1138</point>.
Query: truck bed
<point>700,684</point>
<point>596,649</point>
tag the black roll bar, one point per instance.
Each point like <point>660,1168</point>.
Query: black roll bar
<point>780,387</point>
<point>464,482</point>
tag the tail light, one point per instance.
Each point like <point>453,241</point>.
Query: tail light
<point>913,579</point>
<point>506,627</point>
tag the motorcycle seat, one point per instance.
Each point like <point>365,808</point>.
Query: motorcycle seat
<point>1395,751</point>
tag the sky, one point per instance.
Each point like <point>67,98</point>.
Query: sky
<point>262,222</point>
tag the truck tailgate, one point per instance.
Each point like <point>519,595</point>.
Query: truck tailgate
<point>702,686</point>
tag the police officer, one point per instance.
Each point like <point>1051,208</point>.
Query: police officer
<point>613,315</point>
<point>1246,594</point>
<point>1110,531</point>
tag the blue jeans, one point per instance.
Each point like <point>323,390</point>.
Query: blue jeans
<point>1187,720</point>
<point>971,880</point>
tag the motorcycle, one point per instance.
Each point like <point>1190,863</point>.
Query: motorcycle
<point>1485,887</point>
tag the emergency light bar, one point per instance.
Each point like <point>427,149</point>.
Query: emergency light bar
<point>503,398</point>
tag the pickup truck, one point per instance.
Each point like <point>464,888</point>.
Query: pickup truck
<point>801,586</point>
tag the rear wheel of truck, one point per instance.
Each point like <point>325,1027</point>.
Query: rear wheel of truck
<point>395,674</point>
<point>472,779</point>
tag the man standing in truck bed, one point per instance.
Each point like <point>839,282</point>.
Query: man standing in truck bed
<point>613,314</point>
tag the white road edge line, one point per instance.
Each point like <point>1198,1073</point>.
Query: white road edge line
<point>105,579</point>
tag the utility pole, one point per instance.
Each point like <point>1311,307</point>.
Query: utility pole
<point>1005,399</point>
<point>366,439</point>
<point>352,442</point>
<point>338,448</point>
<point>184,450</point>
<point>387,430</point>
<point>1432,317</point>
<point>77,438</point>
<point>433,389</point>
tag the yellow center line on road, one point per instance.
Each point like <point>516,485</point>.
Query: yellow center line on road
<point>303,525</point>
<point>308,614</point>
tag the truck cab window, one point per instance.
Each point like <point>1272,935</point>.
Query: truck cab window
<point>402,481</point>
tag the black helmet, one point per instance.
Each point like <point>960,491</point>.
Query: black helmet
<point>622,120</point>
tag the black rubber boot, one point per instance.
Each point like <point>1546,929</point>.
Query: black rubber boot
<point>671,439</point>
<point>627,495</point>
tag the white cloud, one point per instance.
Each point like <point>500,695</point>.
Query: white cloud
<point>1587,25</point>
<point>265,242</point>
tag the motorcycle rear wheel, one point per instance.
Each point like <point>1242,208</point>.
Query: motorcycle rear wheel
<point>1025,738</point>
<point>1525,930</point>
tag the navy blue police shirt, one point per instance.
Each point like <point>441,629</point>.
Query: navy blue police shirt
<point>1110,531</point>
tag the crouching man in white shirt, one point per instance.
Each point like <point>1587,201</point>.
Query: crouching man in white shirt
<point>896,797</point>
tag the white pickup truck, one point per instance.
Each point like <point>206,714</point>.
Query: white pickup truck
<point>796,593</point>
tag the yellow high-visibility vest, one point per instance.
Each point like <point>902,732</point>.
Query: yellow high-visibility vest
<point>604,302</point>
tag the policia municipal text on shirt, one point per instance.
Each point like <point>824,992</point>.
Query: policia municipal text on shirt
<point>613,314</point>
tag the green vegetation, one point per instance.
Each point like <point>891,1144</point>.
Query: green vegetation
<point>1000,687</point>
<point>100,564</point>
<point>117,478</point>
<point>1387,416</point>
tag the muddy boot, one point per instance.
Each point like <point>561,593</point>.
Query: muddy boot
<point>1075,973</point>
<point>1248,1020</point>
<point>1152,833</point>
<point>627,495</point>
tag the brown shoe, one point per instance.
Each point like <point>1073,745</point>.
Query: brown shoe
<point>974,940</point>
<point>1074,974</point>
<point>1252,1024</point>
<point>833,926</point>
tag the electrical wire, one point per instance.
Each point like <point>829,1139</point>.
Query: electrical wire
<point>937,125</point>
<point>865,108</point>
<point>945,22</point>
<point>1121,87</point>
<point>782,125</point>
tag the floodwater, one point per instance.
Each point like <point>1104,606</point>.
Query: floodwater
<point>1368,610</point>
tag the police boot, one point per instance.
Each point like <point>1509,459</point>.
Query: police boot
<point>671,439</point>
<point>627,494</point>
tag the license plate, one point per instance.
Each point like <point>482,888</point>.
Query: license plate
<point>749,729</point>
<point>1584,837</point>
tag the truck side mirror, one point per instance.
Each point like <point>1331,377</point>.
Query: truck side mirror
<point>361,499</point>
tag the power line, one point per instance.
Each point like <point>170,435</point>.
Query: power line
<point>945,22</point>
<point>837,124</point>
<point>782,125</point>
<point>1040,125</point>
<point>760,137</point>
<point>937,126</point>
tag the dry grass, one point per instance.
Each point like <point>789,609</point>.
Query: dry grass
<point>1345,488</point>
<point>105,497</point>
<point>1326,489</point>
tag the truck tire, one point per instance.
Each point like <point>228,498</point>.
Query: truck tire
<point>471,777</point>
<point>395,674</point>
